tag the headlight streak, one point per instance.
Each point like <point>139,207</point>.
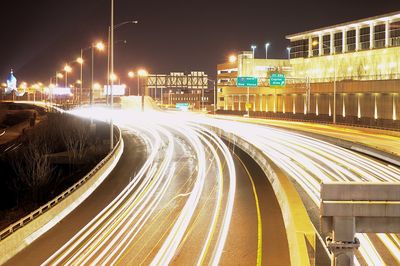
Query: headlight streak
<point>220,185</point>
<point>305,159</point>
<point>171,243</point>
<point>223,234</point>
<point>309,161</point>
<point>62,253</point>
<point>133,208</point>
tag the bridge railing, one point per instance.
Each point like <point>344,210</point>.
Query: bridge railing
<point>62,196</point>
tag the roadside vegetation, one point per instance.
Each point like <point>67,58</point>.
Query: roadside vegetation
<point>51,157</point>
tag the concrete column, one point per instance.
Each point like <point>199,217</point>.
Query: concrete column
<point>357,38</point>
<point>372,36</point>
<point>294,104</point>
<point>387,33</point>
<point>332,44</point>
<point>344,106</point>
<point>309,46</point>
<point>344,41</point>
<point>344,230</point>
<point>240,97</point>
<point>321,44</point>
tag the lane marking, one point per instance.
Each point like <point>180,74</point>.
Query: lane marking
<point>259,220</point>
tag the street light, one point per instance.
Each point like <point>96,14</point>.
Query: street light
<point>59,75</point>
<point>288,50</point>
<point>232,59</point>
<point>141,73</point>
<point>67,70</point>
<point>109,43</point>
<point>266,50</point>
<point>253,47</point>
<point>315,43</point>
<point>131,75</point>
<point>80,60</point>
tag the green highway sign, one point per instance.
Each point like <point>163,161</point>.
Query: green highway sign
<point>277,80</point>
<point>182,106</point>
<point>247,82</point>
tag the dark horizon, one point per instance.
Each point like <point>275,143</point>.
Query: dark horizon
<point>40,36</point>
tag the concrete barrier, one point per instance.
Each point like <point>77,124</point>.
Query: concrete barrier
<point>300,231</point>
<point>23,232</point>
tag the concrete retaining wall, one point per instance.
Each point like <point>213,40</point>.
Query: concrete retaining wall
<point>299,229</point>
<point>22,233</point>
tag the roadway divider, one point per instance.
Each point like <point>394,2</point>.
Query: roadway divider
<point>301,233</point>
<point>23,232</point>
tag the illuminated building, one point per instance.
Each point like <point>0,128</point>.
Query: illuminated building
<point>178,87</point>
<point>365,65</point>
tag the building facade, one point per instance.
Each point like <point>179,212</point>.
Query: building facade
<point>359,60</point>
<point>178,87</point>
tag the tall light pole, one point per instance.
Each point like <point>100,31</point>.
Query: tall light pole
<point>214,88</point>
<point>142,73</point>
<point>99,46</point>
<point>253,48</point>
<point>80,61</point>
<point>131,75</point>
<point>67,70</point>
<point>112,71</point>
<point>288,51</point>
<point>266,50</point>
<point>109,48</point>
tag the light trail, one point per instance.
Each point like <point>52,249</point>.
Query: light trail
<point>107,238</point>
<point>310,161</point>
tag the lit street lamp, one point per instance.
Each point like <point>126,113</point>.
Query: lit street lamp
<point>114,27</point>
<point>67,70</point>
<point>141,73</point>
<point>98,46</point>
<point>253,48</point>
<point>232,59</point>
<point>131,75</point>
<point>266,50</point>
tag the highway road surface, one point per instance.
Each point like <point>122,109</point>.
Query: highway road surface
<point>309,161</point>
<point>384,140</point>
<point>192,201</point>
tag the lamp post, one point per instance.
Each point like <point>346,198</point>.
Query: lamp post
<point>131,75</point>
<point>266,50</point>
<point>141,73</point>
<point>315,43</point>
<point>253,48</point>
<point>288,50</point>
<point>67,70</point>
<point>79,60</point>
<point>111,44</point>
<point>214,88</point>
<point>109,47</point>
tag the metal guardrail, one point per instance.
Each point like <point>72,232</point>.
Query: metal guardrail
<point>44,208</point>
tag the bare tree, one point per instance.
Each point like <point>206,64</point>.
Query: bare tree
<point>75,135</point>
<point>32,166</point>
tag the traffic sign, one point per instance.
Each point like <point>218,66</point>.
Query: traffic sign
<point>182,106</point>
<point>247,82</point>
<point>277,80</point>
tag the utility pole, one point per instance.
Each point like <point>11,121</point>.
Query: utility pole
<point>112,71</point>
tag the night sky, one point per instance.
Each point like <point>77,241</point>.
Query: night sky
<point>39,37</point>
